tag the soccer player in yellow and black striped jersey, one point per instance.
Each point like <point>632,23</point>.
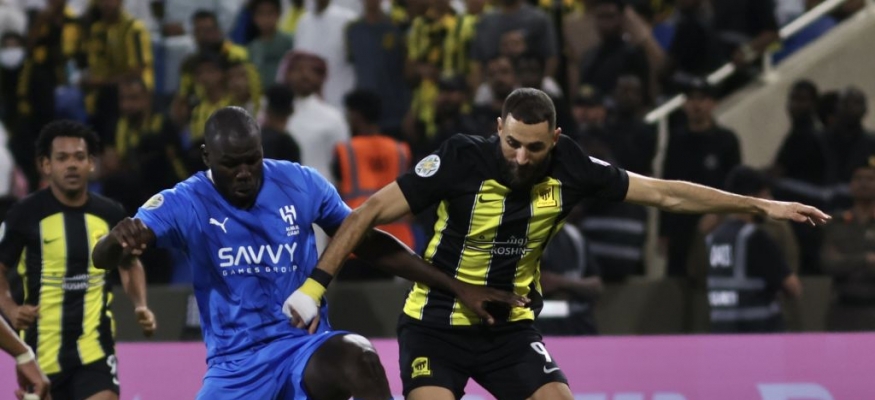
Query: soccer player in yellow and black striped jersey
<point>65,317</point>
<point>499,201</point>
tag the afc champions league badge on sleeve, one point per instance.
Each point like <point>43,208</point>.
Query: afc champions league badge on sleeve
<point>155,202</point>
<point>428,166</point>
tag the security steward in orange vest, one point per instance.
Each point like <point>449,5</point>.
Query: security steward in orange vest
<point>365,164</point>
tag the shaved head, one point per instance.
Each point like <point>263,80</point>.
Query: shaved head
<point>233,152</point>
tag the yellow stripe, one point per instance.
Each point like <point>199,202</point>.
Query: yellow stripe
<point>476,257</point>
<point>89,343</point>
<point>546,206</point>
<point>51,297</point>
<point>418,296</point>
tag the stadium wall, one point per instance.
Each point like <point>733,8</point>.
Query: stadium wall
<point>753,367</point>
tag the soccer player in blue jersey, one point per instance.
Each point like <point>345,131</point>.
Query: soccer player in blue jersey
<point>246,227</point>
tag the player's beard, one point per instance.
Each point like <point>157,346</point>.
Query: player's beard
<point>519,177</point>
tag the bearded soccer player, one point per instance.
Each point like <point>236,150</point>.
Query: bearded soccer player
<point>500,199</point>
<point>245,225</point>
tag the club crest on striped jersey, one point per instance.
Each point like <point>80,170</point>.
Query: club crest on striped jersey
<point>428,166</point>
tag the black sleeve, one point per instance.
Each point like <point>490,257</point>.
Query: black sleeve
<point>115,213</point>
<point>433,177</point>
<point>12,236</point>
<point>765,260</point>
<point>596,178</point>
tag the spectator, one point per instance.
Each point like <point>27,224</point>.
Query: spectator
<point>515,15</point>
<point>569,274</point>
<point>700,152</point>
<point>239,90</point>
<point>321,31</point>
<point>849,255</point>
<point>848,142</point>
<point>365,164</point>
<point>693,43</point>
<point>315,125</point>
<point>268,48</point>
<point>809,34</point>
<point>601,66</point>
<point>376,48</point>
<point>146,156</point>
<point>590,114</point>
<point>631,140</point>
<point>118,48</point>
<point>425,58</point>
<point>457,56</point>
<point>277,142</point>
<point>579,37</point>
<point>530,73</point>
<point>12,54</point>
<point>452,115</point>
<point>211,73</point>
<point>746,267</point>
<point>54,39</point>
<point>210,38</point>
<point>292,15</point>
<point>502,80</point>
<point>745,28</point>
<point>802,169</point>
<point>179,14</point>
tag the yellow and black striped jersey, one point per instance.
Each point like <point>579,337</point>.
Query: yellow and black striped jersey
<point>75,323</point>
<point>488,234</point>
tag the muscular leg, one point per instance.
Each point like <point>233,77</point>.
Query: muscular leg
<point>431,393</point>
<point>553,390</point>
<point>104,395</point>
<point>346,366</point>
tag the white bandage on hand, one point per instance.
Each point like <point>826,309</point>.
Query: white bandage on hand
<point>303,304</point>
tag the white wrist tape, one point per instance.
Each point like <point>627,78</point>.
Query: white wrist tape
<point>25,357</point>
<point>303,304</point>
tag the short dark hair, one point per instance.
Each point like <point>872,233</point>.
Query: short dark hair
<point>232,121</point>
<point>745,181</point>
<point>255,3</point>
<point>620,4</point>
<point>135,80</point>
<point>209,57</point>
<point>366,103</point>
<point>530,106</point>
<point>807,86</point>
<point>280,100</point>
<point>204,14</point>
<point>65,128</point>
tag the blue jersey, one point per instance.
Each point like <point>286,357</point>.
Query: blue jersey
<point>245,263</point>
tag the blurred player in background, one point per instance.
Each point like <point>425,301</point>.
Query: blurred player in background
<point>246,225</point>
<point>66,317</point>
<point>500,200</point>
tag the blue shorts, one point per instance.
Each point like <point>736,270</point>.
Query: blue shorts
<point>275,371</point>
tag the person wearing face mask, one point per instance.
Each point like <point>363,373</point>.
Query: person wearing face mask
<point>11,60</point>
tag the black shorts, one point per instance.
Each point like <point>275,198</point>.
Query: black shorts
<point>510,362</point>
<point>85,381</point>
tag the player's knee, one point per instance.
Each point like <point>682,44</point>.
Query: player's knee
<point>368,378</point>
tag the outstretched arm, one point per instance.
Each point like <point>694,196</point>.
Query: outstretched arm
<point>387,253</point>
<point>686,197</point>
<point>133,278</point>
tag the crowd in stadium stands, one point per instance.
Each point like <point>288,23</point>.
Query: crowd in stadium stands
<point>362,90</point>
